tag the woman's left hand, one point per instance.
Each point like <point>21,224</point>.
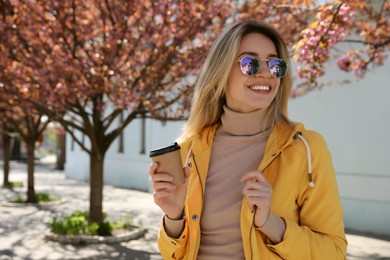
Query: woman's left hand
<point>258,193</point>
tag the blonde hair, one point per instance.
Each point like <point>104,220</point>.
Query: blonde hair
<point>208,100</point>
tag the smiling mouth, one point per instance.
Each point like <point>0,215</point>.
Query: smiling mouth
<point>260,88</point>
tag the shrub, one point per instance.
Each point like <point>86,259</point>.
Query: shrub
<point>41,197</point>
<point>78,224</point>
<point>13,184</point>
<point>18,199</point>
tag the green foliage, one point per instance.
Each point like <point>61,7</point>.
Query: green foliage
<point>126,222</point>
<point>78,224</point>
<point>12,184</point>
<point>104,229</point>
<point>41,197</point>
<point>18,199</point>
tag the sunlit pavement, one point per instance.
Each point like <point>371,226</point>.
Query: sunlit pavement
<point>22,229</point>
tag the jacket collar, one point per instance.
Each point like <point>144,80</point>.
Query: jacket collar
<point>201,146</point>
<point>280,137</point>
<point>204,140</point>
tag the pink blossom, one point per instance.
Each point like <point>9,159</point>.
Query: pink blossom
<point>344,63</point>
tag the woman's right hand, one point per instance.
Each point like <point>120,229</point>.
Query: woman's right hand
<point>167,195</point>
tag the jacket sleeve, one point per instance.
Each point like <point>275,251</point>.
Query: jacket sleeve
<point>320,233</point>
<point>176,248</point>
<point>171,248</point>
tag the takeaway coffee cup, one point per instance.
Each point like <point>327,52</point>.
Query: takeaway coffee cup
<point>169,161</point>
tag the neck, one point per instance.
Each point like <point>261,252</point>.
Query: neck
<point>250,123</point>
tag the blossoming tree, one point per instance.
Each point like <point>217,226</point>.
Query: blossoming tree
<point>314,31</point>
<point>6,131</point>
<point>88,63</point>
<point>94,61</point>
<point>17,116</point>
<point>22,119</point>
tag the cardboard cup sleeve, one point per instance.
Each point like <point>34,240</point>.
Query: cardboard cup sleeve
<point>169,161</point>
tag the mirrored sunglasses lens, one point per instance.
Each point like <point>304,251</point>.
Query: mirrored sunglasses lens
<point>278,68</point>
<point>249,66</point>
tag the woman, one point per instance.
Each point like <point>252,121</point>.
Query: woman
<point>258,186</point>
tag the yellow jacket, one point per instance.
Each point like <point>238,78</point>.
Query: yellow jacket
<point>313,215</point>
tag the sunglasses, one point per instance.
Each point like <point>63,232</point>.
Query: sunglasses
<point>250,65</point>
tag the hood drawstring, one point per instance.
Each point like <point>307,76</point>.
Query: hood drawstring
<point>299,135</point>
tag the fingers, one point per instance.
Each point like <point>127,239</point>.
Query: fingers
<point>167,195</point>
<point>255,181</point>
<point>253,175</point>
<point>152,168</point>
<point>258,198</point>
<point>264,194</point>
<point>161,195</point>
<point>257,190</point>
<point>158,176</point>
<point>161,181</point>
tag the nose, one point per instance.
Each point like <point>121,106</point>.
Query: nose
<point>263,70</point>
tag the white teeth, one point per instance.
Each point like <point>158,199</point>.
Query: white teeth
<point>260,88</point>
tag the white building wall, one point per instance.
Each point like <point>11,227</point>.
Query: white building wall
<point>128,169</point>
<point>77,161</point>
<point>354,120</point>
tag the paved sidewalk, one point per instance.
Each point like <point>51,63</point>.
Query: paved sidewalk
<point>22,228</point>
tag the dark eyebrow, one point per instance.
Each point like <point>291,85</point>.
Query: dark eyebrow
<point>255,54</point>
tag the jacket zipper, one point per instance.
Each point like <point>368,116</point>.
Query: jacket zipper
<point>201,185</point>
<point>253,219</point>
<point>200,179</point>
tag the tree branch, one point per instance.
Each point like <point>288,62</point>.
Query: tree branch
<point>375,45</point>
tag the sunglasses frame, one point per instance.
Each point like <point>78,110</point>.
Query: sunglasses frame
<point>259,61</point>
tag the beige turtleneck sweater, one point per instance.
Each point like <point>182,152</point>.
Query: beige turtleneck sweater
<point>238,147</point>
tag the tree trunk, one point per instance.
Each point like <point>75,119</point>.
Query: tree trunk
<point>61,150</point>
<point>96,188</point>
<point>6,158</point>
<point>31,198</point>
